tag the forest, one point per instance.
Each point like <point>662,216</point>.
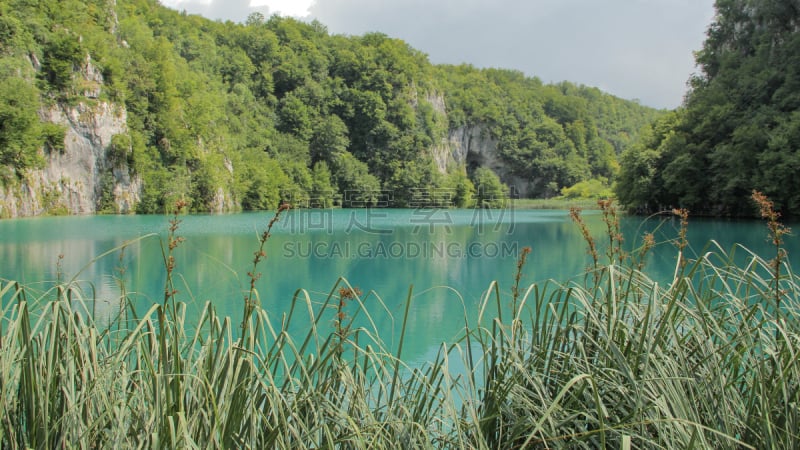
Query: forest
<point>739,127</point>
<point>276,109</point>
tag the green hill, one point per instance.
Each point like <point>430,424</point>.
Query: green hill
<point>739,128</point>
<point>242,116</point>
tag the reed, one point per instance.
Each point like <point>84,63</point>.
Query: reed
<point>621,361</point>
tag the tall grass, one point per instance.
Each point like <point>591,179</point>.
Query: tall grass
<point>613,360</point>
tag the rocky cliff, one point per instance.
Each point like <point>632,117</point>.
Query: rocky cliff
<point>77,179</point>
<point>472,146</point>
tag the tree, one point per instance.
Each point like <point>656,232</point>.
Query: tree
<point>357,187</point>
<point>294,117</point>
<point>62,56</point>
<point>255,112</point>
<point>736,131</point>
<point>298,191</point>
<point>460,189</point>
<point>640,183</point>
<point>21,132</point>
<point>263,183</point>
<point>329,138</point>
<point>414,184</point>
<point>323,193</point>
<point>591,189</point>
<point>255,19</point>
<point>490,191</point>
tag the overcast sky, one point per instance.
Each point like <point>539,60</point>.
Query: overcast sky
<point>635,49</point>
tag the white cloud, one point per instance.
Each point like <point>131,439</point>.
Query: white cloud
<point>233,9</point>
<point>177,4</point>
<point>630,48</point>
<point>635,49</point>
<point>295,8</point>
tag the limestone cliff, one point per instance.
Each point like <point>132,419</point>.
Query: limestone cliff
<point>472,146</point>
<point>74,181</point>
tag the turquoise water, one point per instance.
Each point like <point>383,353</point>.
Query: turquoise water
<point>450,257</point>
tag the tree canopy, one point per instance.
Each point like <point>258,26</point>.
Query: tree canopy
<point>739,127</point>
<point>277,109</point>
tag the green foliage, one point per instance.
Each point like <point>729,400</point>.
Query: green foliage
<point>294,117</point>
<point>738,130</point>
<point>62,55</point>
<point>614,360</point>
<point>459,188</point>
<point>162,188</point>
<point>21,132</point>
<point>329,137</point>
<point>552,135</point>
<point>640,184</point>
<point>202,97</point>
<point>490,191</point>
<point>590,189</point>
<point>12,32</point>
<point>298,190</point>
<point>53,136</point>
<point>356,185</point>
<point>52,201</point>
<point>210,185</point>
<point>263,182</point>
<point>415,184</point>
<point>106,204</point>
<point>323,193</point>
<point>120,149</point>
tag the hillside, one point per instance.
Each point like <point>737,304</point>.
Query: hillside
<point>739,128</point>
<point>126,106</point>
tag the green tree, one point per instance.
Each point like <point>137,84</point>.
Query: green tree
<point>323,193</point>
<point>329,138</point>
<point>640,184</point>
<point>736,132</point>
<point>263,182</point>
<point>245,112</point>
<point>294,117</point>
<point>591,189</point>
<point>356,185</point>
<point>62,56</point>
<point>490,191</point>
<point>459,188</point>
<point>21,132</point>
<point>414,184</point>
<point>298,191</point>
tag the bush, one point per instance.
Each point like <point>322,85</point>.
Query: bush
<point>120,150</point>
<point>590,189</point>
<point>490,191</point>
<point>612,360</point>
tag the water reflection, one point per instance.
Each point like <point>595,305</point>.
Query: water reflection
<point>449,256</point>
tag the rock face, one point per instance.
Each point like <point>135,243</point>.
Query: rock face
<point>75,180</point>
<point>84,175</point>
<point>72,181</point>
<point>463,145</point>
<point>473,146</point>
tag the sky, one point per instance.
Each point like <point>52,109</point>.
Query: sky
<point>635,49</point>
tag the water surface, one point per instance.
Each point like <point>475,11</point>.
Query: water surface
<point>449,256</point>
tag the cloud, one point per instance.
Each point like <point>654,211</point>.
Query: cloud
<point>631,48</point>
<point>635,49</point>
<point>294,8</point>
<point>234,10</point>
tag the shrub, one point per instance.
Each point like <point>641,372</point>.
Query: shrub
<point>614,360</point>
<point>590,189</point>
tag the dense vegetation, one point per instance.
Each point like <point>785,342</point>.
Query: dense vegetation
<point>610,359</point>
<point>739,128</point>
<point>279,109</point>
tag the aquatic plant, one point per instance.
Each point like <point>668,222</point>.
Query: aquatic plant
<point>613,361</point>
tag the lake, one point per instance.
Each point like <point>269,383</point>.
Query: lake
<point>450,257</point>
